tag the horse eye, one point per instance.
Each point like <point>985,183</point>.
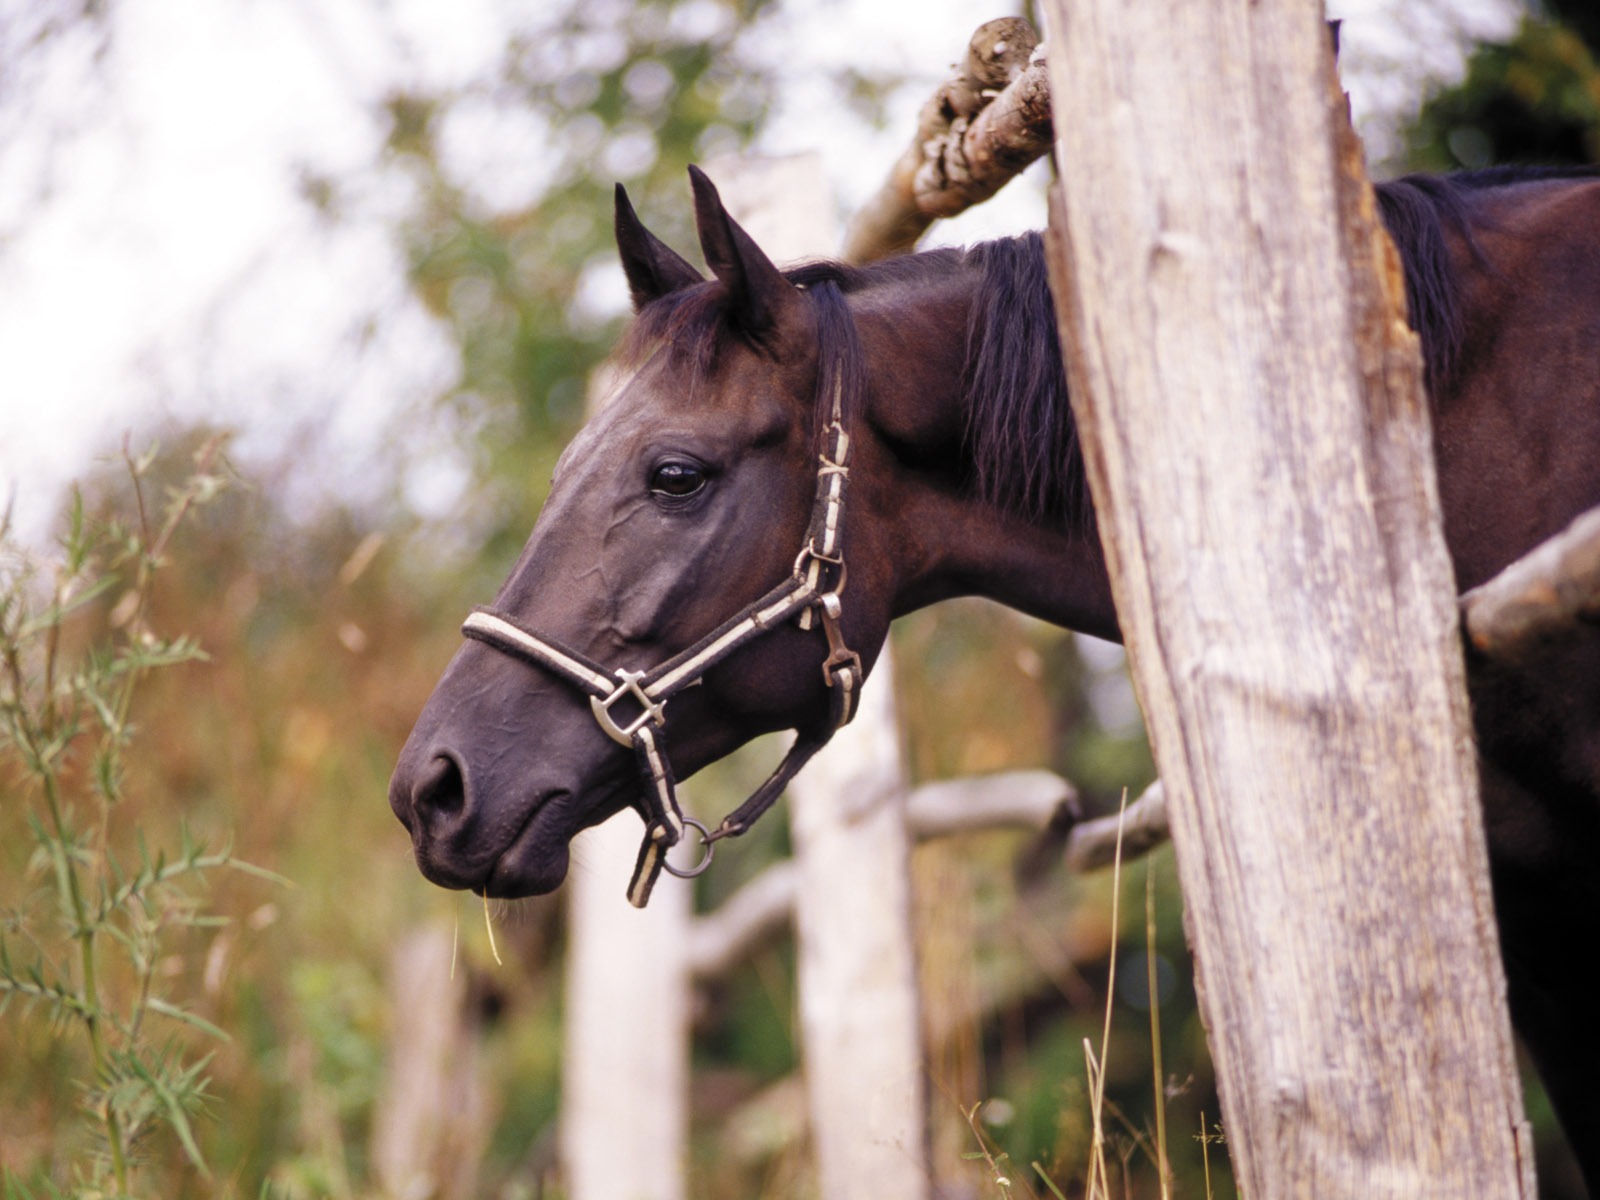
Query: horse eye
<point>677,479</point>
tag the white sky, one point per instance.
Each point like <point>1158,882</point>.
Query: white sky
<point>164,263</point>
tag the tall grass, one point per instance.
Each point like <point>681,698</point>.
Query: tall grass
<point>1112,1151</point>
<point>84,940</point>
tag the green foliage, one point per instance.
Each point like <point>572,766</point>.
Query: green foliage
<point>82,941</point>
<point>1533,99</point>
<point>615,92</point>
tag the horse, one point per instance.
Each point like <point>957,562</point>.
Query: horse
<point>793,458</point>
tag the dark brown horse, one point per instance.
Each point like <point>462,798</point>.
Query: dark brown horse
<point>683,553</point>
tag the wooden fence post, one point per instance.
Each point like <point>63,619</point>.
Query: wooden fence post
<point>1250,403</point>
<point>859,1004</point>
<point>625,1050</point>
<point>431,1123</point>
<point>857,979</point>
<point>625,1063</point>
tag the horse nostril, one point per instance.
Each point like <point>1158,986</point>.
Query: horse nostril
<point>441,792</point>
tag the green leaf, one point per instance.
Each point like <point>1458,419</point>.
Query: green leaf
<point>158,1005</point>
<point>1048,1182</point>
<point>238,864</point>
<point>171,1104</point>
<point>57,614</point>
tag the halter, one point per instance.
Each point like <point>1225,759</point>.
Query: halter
<point>811,592</point>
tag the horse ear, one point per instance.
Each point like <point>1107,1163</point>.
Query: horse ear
<point>758,294</point>
<point>653,268</point>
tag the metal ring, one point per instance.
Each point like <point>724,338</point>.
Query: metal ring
<point>699,867</point>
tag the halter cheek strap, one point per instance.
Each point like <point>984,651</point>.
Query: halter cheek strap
<point>630,706</point>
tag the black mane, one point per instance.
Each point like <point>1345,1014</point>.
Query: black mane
<point>1019,426</point>
<point>1418,210</point>
<point>1020,437</point>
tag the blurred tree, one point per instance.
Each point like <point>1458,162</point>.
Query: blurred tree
<point>1533,99</point>
<point>518,260</point>
<point>46,46</point>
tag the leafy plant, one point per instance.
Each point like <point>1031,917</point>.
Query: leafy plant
<point>86,947</point>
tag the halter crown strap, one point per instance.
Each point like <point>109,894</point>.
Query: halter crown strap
<point>812,589</point>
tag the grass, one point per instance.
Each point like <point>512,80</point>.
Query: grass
<point>83,949</point>
<point>1104,1115</point>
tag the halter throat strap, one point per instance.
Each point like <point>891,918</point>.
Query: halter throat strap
<point>630,706</point>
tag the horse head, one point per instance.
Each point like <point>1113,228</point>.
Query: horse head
<point>693,496</point>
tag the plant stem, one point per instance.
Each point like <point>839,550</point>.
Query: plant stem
<point>71,895</point>
<point>1152,977</point>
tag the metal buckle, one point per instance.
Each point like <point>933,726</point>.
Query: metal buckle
<point>629,686</point>
<point>706,842</point>
<point>841,660</point>
<point>840,656</point>
<point>810,551</point>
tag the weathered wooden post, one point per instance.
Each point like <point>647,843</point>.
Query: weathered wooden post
<point>431,1123</point>
<point>625,1046</point>
<point>1250,403</point>
<point>859,1004</point>
<point>625,1051</point>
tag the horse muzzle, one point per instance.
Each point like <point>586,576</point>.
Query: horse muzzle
<point>490,798</point>
<point>510,850</point>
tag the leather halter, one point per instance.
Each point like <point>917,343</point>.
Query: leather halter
<point>811,591</point>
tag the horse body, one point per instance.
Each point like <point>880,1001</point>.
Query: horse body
<point>689,495</point>
<point>1517,445</point>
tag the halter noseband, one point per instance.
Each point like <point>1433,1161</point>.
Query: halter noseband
<point>811,591</point>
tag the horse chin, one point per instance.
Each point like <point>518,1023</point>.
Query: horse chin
<point>531,863</point>
<point>536,860</point>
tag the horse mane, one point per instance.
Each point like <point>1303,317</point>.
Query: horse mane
<point>1019,426</point>
<point>1418,211</point>
<point>1020,438</point>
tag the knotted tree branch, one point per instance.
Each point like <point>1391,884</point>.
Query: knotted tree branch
<point>977,131</point>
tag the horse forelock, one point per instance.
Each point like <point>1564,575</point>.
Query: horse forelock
<point>691,326</point>
<point>688,323</point>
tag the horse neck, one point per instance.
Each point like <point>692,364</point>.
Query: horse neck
<point>943,539</point>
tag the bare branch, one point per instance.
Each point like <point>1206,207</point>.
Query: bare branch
<point>1093,844</point>
<point>1544,593</point>
<point>746,920</point>
<point>976,132</point>
<point>762,908</point>
<point>1031,799</point>
<point>1541,595</point>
